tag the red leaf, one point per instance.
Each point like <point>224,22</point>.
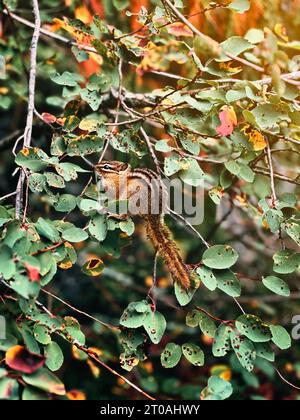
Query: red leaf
<point>48,118</point>
<point>20,359</point>
<point>33,273</point>
<point>228,120</point>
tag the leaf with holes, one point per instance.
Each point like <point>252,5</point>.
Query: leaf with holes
<point>276,285</point>
<point>253,328</point>
<point>207,325</point>
<point>155,324</point>
<point>193,354</point>
<point>286,262</point>
<point>93,267</point>
<point>220,257</point>
<point>131,318</point>
<point>207,277</point>
<point>229,283</point>
<point>54,356</point>
<point>171,356</point>
<point>281,337</point>
<point>244,350</point>
<point>222,342</point>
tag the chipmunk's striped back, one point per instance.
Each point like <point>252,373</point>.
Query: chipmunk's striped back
<point>147,197</point>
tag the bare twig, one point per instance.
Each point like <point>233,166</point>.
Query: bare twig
<point>94,356</point>
<point>8,196</point>
<point>6,141</point>
<point>31,100</point>
<point>271,169</point>
<point>286,381</point>
<point>111,327</point>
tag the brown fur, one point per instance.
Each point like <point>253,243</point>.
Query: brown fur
<point>160,236</point>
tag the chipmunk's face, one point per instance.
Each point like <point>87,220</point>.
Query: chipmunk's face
<point>107,168</point>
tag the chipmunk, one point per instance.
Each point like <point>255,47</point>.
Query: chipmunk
<point>147,197</point>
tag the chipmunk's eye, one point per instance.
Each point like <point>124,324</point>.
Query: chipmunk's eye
<point>106,167</point>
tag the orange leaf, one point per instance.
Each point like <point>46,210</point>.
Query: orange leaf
<point>20,359</point>
<point>81,37</point>
<point>228,120</point>
<point>75,395</point>
<point>180,29</point>
<point>82,13</point>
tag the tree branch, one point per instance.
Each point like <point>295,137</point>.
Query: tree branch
<point>31,100</point>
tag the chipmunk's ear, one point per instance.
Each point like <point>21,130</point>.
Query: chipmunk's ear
<point>124,167</point>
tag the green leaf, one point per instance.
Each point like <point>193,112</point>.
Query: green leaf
<point>46,381</point>
<point>253,328</point>
<point>267,116</point>
<point>121,4</point>
<point>255,36</point>
<point>72,327</point>
<point>240,6</point>
<point>220,257</point>
<point>69,171</point>
<point>37,183</point>
<point>281,337</point>
<point>264,351</point>
<point>235,46</point>
<point>66,203</point>
<point>89,206</point>
<point>286,262</point>
<point>128,141</point>
<point>240,170</point>
<point>171,356</point>
<point>67,79</point>
<point>85,145</point>
<point>192,174</point>
<point>193,318</point>
<point>244,350</point>
<point>46,229</point>
<point>292,228</point>
<point>34,159</point>
<point>207,326</point>
<point>163,146</point>
<point>41,334</point>
<point>229,283</point>
<point>54,180</point>
<point>54,356</point>
<point>7,264</point>
<point>217,389</point>
<point>75,235</point>
<point>9,389</point>
<point>207,277</point>
<point>173,164</point>
<point>155,324</point>
<point>276,285</point>
<point>128,227</point>
<point>222,343</point>
<point>30,394</point>
<point>98,227</point>
<point>94,99</point>
<point>183,296</point>
<point>193,354</point>
<point>131,318</point>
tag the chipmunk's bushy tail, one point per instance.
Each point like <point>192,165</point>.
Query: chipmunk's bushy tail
<point>160,236</point>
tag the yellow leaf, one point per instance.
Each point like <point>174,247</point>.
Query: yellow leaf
<point>257,139</point>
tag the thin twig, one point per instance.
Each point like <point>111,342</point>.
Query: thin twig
<point>271,169</point>
<point>31,100</point>
<point>93,355</point>
<point>111,327</point>
<point>286,381</point>
<point>8,196</point>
